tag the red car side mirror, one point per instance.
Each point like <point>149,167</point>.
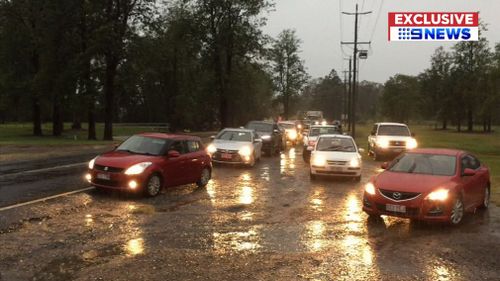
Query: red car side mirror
<point>468,172</point>
<point>173,154</point>
<point>384,165</point>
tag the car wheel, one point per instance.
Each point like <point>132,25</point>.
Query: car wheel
<point>204,177</point>
<point>457,211</point>
<point>486,198</point>
<point>153,185</point>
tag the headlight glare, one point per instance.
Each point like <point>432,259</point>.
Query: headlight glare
<point>137,168</point>
<point>245,151</point>
<point>266,137</point>
<point>438,195</point>
<point>211,149</point>
<point>383,143</point>
<point>411,144</point>
<point>354,162</point>
<point>370,188</point>
<point>91,163</point>
<point>318,160</point>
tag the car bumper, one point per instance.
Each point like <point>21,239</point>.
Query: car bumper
<point>117,181</point>
<point>389,150</point>
<point>336,171</point>
<point>418,208</point>
<point>235,159</point>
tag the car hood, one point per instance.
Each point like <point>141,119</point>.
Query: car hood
<point>122,159</point>
<point>230,145</point>
<point>337,155</point>
<point>407,182</point>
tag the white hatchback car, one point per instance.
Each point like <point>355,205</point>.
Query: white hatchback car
<point>236,146</point>
<point>336,155</point>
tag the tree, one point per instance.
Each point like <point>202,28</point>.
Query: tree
<point>399,98</point>
<point>288,69</point>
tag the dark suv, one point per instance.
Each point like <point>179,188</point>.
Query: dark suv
<point>271,135</point>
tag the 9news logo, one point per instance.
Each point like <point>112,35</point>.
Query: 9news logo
<point>433,26</point>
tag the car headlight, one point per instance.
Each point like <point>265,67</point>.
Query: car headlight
<point>354,162</point>
<point>91,163</point>
<point>411,144</point>
<point>438,195</point>
<point>245,151</point>
<point>318,160</point>
<point>383,143</point>
<point>370,188</point>
<point>211,149</point>
<point>267,137</point>
<point>324,123</point>
<point>299,126</point>
<point>292,134</point>
<point>137,168</point>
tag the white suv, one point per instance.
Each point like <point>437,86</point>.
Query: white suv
<point>390,139</point>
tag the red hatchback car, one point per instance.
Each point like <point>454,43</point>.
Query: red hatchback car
<point>429,184</point>
<point>150,161</point>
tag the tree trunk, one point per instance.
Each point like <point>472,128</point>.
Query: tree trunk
<point>470,121</point>
<point>489,124</point>
<point>109,95</point>
<point>445,124</point>
<point>91,119</point>
<point>56,119</point>
<point>459,124</point>
<point>37,118</point>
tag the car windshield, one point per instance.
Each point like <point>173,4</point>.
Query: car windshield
<point>323,131</point>
<point>393,130</point>
<point>235,136</point>
<point>287,125</point>
<point>260,127</point>
<point>143,145</point>
<point>335,144</point>
<point>429,164</point>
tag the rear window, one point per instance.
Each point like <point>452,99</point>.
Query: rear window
<point>393,130</point>
<point>323,131</point>
<point>260,127</point>
<point>429,164</point>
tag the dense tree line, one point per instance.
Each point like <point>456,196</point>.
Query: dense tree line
<point>197,64</point>
<point>461,87</point>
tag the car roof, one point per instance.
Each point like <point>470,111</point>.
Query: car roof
<point>391,123</point>
<point>169,136</point>
<point>238,130</point>
<point>439,151</point>
<point>324,126</point>
<point>336,136</point>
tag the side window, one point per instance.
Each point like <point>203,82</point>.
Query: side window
<point>193,146</point>
<point>179,146</point>
<point>474,162</point>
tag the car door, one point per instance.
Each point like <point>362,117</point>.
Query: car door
<point>480,178</point>
<point>195,161</point>
<point>175,169</point>
<point>471,184</point>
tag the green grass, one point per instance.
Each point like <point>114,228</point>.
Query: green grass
<point>21,134</point>
<point>485,146</point>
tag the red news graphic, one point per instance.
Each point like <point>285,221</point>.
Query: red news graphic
<point>435,26</point>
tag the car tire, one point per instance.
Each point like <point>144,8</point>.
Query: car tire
<point>205,177</point>
<point>486,198</point>
<point>153,185</point>
<point>457,211</point>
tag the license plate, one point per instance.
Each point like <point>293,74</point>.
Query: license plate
<point>103,176</point>
<point>332,168</point>
<point>395,208</point>
<point>226,156</point>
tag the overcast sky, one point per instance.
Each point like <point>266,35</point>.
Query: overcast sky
<point>321,28</point>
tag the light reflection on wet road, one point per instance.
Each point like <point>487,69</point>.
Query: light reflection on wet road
<point>269,222</point>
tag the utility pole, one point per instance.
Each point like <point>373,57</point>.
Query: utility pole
<point>352,117</point>
<point>348,96</point>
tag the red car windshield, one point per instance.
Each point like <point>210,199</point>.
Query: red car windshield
<point>429,164</point>
<point>143,145</point>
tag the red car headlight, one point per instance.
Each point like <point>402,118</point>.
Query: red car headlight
<point>370,188</point>
<point>438,195</point>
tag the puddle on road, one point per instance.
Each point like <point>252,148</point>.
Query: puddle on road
<point>240,241</point>
<point>287,163</point>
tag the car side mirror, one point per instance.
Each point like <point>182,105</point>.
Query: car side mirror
<point>173,154</point>
<point>212,138</point>
<point>361,150</point>
<point>257,140</point>
<point>468,172</point>
<point>384,165</point>
<point>372,133</point>
<point>276,131</point>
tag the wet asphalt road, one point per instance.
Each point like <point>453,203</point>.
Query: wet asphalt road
<point>269,222</point>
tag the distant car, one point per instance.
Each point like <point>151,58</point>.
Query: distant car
<point>273,139</point>
<point>292,135</point>
<point>390,139</point>
<point>314,132</point>
<point>151,161</point>
<point>336,155</point>
<point>236,146</point>
<point>429,184</point>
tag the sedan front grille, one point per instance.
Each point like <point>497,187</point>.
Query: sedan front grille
<point>399,195</point>
<point>337,163</point>
<point>397,143</point>
<point>108,169</point>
